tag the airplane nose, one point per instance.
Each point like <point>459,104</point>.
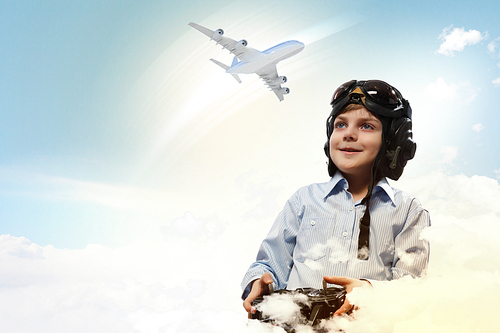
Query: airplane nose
<point>298,47</point>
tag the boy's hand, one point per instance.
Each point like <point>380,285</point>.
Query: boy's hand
<point>349,284</point>
<point>259,287</point>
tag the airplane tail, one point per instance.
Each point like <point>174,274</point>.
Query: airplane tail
<point>226,67</point>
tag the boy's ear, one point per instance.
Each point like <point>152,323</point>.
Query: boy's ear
<point>400,148</point>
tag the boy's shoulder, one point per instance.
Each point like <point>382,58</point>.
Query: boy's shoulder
<point>403,197</point>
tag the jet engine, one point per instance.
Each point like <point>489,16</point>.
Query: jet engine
<point>280,80</point>
<point>284,91</point>
<point>241,44</point>
<point>218,34</point>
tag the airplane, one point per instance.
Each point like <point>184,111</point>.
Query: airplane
<point>248,60</point>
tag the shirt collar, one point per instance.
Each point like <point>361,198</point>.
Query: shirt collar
<point>338,182</point>
<point>383,185</point>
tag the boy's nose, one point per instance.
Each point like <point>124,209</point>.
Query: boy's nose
<point>350,135</point>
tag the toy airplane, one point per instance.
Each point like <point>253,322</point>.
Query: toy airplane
<point>248,60</point>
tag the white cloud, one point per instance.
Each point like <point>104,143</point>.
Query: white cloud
<point>59,189</point>
<point>186,226</point>
<point>195,228</point>
<point>181,282</point>
<point>442,92</point>
<point>284,308</point>
<point>456,39</point>
<point>494,47</point>
<point>20,247</point>
<point>448,154</point>
<point>497,172</point>
<point>478,127</point>
<point>158,283</point>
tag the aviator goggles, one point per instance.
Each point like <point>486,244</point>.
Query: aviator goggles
<point>376,95</point>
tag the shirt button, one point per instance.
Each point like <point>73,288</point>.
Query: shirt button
<point>344,234</point>
<point>313,222</point>
<point>351,208</point>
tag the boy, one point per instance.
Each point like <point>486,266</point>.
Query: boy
<point>355,229</point>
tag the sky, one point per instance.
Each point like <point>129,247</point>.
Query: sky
<point>137,179</point>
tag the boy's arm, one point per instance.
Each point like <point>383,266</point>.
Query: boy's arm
<point>411,255</point>
<point>275,255</point>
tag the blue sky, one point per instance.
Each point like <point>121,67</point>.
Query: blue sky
<point>135,174</point>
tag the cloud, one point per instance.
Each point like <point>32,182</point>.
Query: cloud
<point>284,308</point>
<point>186,226</point>
<point>456,39</point>
<point>442,92</point>
<point>448,154</point>
<point>182,282</point>
<point>53,188</point>
<point>146,286</point>
<point>478,127</point>
<point>20,247</point>
<point>190,227</point>
<point>494,47</point>
<point>261,193</point>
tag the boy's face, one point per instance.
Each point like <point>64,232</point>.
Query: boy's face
<point>355,141</point>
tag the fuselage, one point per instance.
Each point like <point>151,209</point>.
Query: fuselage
<point>272,55</point>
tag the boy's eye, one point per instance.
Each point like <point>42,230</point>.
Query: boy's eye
<point>340,125</point>
<point>367,127</point>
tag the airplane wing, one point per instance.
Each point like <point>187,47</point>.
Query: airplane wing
<point>269,75</point>
<point>239,49</point>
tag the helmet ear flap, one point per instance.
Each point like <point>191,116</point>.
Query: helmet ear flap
<point>400,148</point>
<point>332,168</point>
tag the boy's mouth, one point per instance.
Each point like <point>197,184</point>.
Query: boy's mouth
<point>350,150</point>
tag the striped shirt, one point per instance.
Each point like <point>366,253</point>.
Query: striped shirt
<point>316,234</point>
